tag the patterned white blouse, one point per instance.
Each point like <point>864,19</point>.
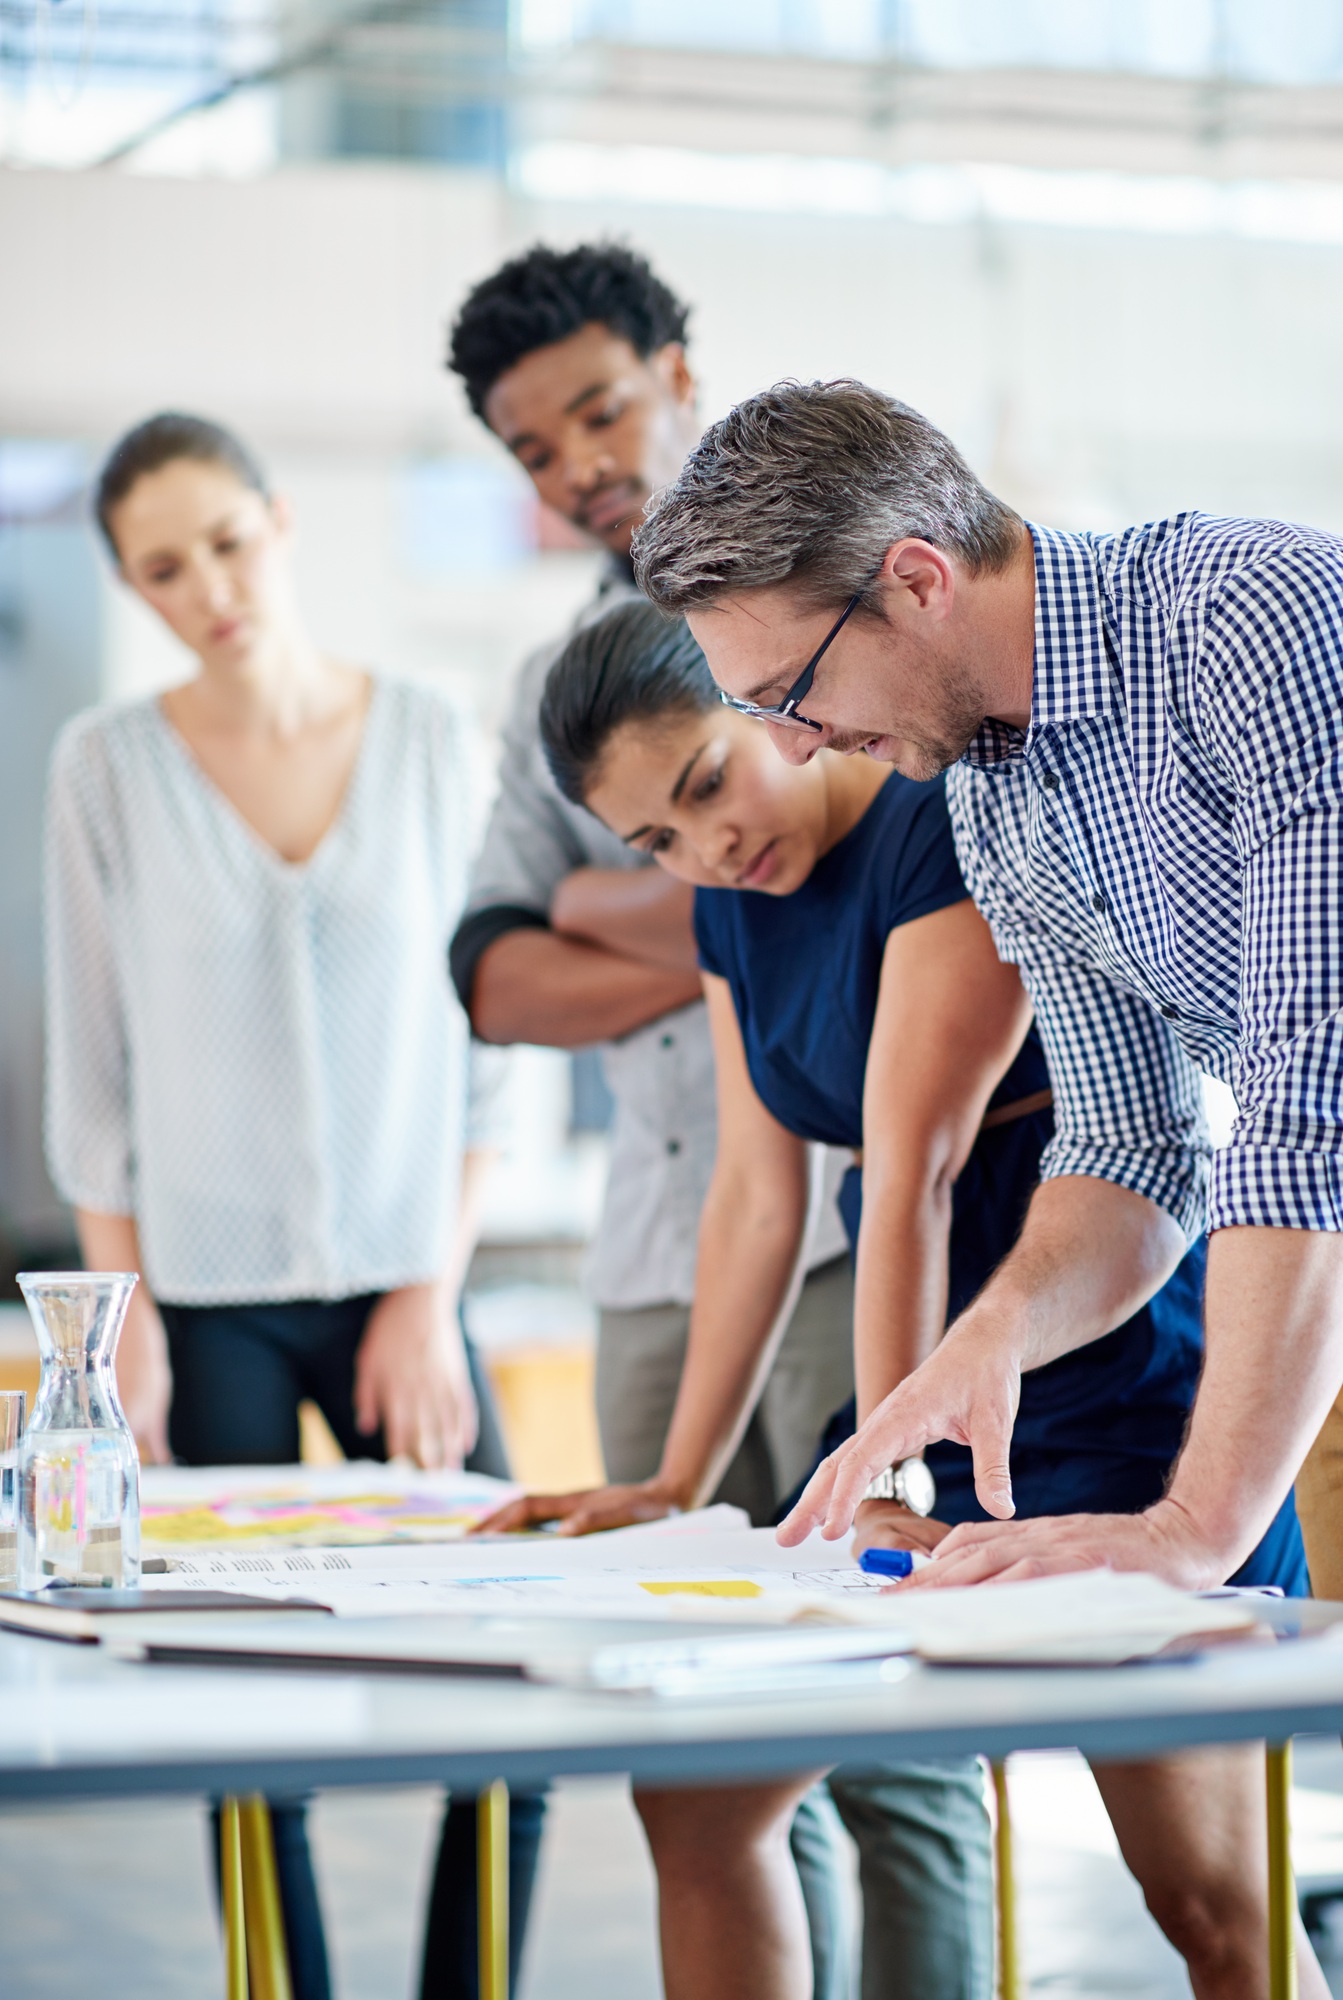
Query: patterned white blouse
<point>263,1062</point>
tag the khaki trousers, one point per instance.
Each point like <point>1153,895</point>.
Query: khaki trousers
<point>640,1353</point>
<point>1319,1502</point>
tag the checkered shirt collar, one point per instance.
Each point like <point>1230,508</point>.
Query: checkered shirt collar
<point>1074,674</point>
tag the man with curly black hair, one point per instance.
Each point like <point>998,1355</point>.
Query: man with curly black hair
<point>546,295</point>
<point>576,360</point>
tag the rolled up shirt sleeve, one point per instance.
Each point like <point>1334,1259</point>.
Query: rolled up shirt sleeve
<point>529,845</point>
<point>534,839</point>
<point>1283,1166</point>
<point>1273,713</point>
<point>87,1111</point>
<point>1128,1102</point>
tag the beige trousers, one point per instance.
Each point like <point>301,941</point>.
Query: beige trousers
<point>639,1357</point>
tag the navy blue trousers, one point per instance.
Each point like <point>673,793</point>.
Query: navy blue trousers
<point>239,1375</point>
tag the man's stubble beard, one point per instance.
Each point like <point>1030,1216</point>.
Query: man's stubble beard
<point>964,706</point>
<point>925,757</point>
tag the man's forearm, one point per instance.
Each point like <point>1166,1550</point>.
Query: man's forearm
<point>1090,1254</point>
<point>535,986</point>
<point>1274,1319</point>
<point>639,913</point>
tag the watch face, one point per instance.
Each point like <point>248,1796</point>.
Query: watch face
<point>918,1488</point>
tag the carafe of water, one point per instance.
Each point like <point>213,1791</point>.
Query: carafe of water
<point>79,1471</point>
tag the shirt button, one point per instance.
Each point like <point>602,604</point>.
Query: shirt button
<point>1100,902</point>
<point>1171,1013</point>
<point>1051,781</point>
<point>669,1041</point>
<point>673,1147</point>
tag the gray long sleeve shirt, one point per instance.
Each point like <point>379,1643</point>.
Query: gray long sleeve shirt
<point>661,1076</point>
<point>664,1133</point>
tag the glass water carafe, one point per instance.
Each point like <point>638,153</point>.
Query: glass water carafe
<point>79,1471</point>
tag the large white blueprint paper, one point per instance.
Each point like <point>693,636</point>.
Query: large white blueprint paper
<point>738,1576</point>
<point>664,1572</point>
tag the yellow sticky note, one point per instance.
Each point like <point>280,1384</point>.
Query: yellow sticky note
<point>724,1586</point>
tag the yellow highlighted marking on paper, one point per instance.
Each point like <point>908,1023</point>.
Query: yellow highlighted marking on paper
<point>726,1586</point>
<point>203,1525</point>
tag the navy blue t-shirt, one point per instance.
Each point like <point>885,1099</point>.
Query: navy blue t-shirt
<point>1097,1429</point>
<point>805,969</point>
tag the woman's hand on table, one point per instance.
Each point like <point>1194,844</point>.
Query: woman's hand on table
<point>411,1376</point>
<point>885,1524</point>
<point>587,1512</point>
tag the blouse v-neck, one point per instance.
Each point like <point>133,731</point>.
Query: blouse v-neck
<point>259,1059</point>
<point>224,809</point>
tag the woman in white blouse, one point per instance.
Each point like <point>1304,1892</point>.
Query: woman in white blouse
<point>255,1066</point>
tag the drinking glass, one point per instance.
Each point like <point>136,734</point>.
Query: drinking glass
<point>79,1471</point>
<point>13,1407</point>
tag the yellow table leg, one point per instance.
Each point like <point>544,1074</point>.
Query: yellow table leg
<point>1281,1886</point>
<point>267,1949</point>
<point>1009,1969</point>
<point>492,1885</point>
<point>235,1934</point>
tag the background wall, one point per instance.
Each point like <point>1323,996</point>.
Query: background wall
<point>1106,344</point>
<point>1088,370</point>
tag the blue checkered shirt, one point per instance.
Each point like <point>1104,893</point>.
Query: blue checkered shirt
<point>1161,852</point>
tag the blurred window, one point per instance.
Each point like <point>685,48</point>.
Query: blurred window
<point>464,518</point>
<point>1294,41</point>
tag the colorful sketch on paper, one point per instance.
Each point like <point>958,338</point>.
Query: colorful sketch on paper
<point>291,1517</point>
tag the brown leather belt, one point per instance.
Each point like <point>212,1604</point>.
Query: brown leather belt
<point>1020,1107</point>
<point>1001,1114</point>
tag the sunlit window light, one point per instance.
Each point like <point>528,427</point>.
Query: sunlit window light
<point>1169,205</point>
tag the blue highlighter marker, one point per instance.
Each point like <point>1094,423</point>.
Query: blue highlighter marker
<point>888,1562</point>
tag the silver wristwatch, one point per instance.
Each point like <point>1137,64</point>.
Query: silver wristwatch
<point>910,1482</point>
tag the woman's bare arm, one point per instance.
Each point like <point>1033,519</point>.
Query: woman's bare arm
<point>751,1234</point>
<point>1090,1253</point>
<point>144,1377</point>
<point>950,1018</point>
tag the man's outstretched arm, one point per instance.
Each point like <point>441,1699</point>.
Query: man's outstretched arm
<point>1089,1255</point>
<point>1274,1364</point>
<point>1275,1360</point>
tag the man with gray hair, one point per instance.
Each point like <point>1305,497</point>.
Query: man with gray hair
<point>1144,736</point>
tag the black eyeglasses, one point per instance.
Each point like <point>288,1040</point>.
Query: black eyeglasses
<point>786,711</point>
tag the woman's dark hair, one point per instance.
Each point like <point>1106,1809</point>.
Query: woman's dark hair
<point>545,295</point>
<point>633,665</point>
<point>156,443</point>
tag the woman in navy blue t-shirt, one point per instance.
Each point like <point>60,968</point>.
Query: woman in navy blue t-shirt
<point>855,998</point>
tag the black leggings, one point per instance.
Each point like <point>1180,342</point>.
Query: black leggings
<point>239,1375</point>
